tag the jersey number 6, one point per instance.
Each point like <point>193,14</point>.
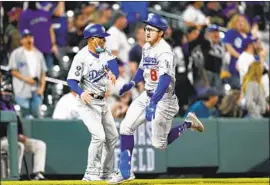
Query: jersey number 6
<point>153,75</point>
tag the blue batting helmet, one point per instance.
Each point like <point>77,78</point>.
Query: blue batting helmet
<point>94,30</point>
<point>156,21</point>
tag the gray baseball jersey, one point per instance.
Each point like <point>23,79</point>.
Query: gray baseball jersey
<point>156,61</point>
<point>89,70</point>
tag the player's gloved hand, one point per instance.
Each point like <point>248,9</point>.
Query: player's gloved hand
<point>150,111</point>
<point>86,97</point>
<point>126,88</point>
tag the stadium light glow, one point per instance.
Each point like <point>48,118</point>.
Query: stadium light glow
<point>43,107</point>
<point>70,13</point>
<point>157,7</point>
<point>17,107</point>
<point>75,49</point>
<point>131,40</point>
<point>227,87</point>
<point>65,58</point>
<point>221,35</point>
<point>56,68</point>
<point>116,6</point>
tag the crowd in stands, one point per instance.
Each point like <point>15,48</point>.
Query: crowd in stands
<point>221,55</point>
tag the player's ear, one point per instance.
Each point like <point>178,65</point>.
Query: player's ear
<point>161,33</point>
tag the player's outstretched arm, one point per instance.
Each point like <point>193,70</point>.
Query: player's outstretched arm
<point>163,84</point>
<point>136,79</point>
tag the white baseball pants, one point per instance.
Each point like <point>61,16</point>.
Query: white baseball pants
<point>35,146</point>
<point>166,109</point>
<point>98,119</point>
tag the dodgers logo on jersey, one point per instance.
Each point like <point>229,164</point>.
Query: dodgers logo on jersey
<point>95,75</point>
<point>149,61</point>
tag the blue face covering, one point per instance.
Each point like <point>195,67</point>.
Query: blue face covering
<point>98,48</point>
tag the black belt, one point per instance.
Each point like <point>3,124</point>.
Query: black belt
<point>97,96</point>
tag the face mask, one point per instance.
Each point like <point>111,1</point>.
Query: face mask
<point>98,48</point>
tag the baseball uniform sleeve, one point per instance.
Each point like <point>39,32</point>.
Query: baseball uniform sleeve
<point>76,69</point>
<point>165,62</point>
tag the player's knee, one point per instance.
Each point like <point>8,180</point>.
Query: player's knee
<point>125,130</point>
<point>41,145</point>
<point>159,145</point>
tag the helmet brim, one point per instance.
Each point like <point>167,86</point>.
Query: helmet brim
<point>151,24</point>
<point>102,35</point>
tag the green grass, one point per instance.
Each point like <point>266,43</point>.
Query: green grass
<point>230,181</point>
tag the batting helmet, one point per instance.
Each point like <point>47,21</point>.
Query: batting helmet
<point>94,30</point>
<point>156,21</point>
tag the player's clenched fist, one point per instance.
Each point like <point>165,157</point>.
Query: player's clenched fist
<point>86,97</point>
<point>126,88</point>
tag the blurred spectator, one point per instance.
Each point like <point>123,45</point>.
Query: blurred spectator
<point>196,51</point>
<point>193,16</point>
<point>215,59</point>
<point>117,41</point>
<point>135,54</point>
<point>230,105</point>
<point>204,108</point>
<point>253,91</point>
<point>76,36</point>
<point>105,14</point>
<point>246,57</point>
<point>135,12</point>
<point>40,24</point>
<point>213,10</point>
<point>231,8</point>
<point>120,107</point>
<point>37,147</point>
<point>168,36</point>
<point>234,37</point>
<point>88,10</point>
<point>12,34</point>
<point>59,24</point>
<point>113,90</point>
<point>66,107</point>
<point>28,71</point>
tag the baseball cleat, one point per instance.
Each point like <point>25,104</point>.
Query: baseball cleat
<point>118,178</point>
<point>196,124</point>
<point>89,177</point>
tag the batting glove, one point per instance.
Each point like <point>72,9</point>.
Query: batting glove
<point>126,88</point>
<point>150,111</point>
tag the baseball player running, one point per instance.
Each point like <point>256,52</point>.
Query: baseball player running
<point>88,77</point>
<point>157,104</point>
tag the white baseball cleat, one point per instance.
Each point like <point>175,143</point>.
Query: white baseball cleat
<point>196,124</point>
<point>117,178</point>
<point>89,177</point>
